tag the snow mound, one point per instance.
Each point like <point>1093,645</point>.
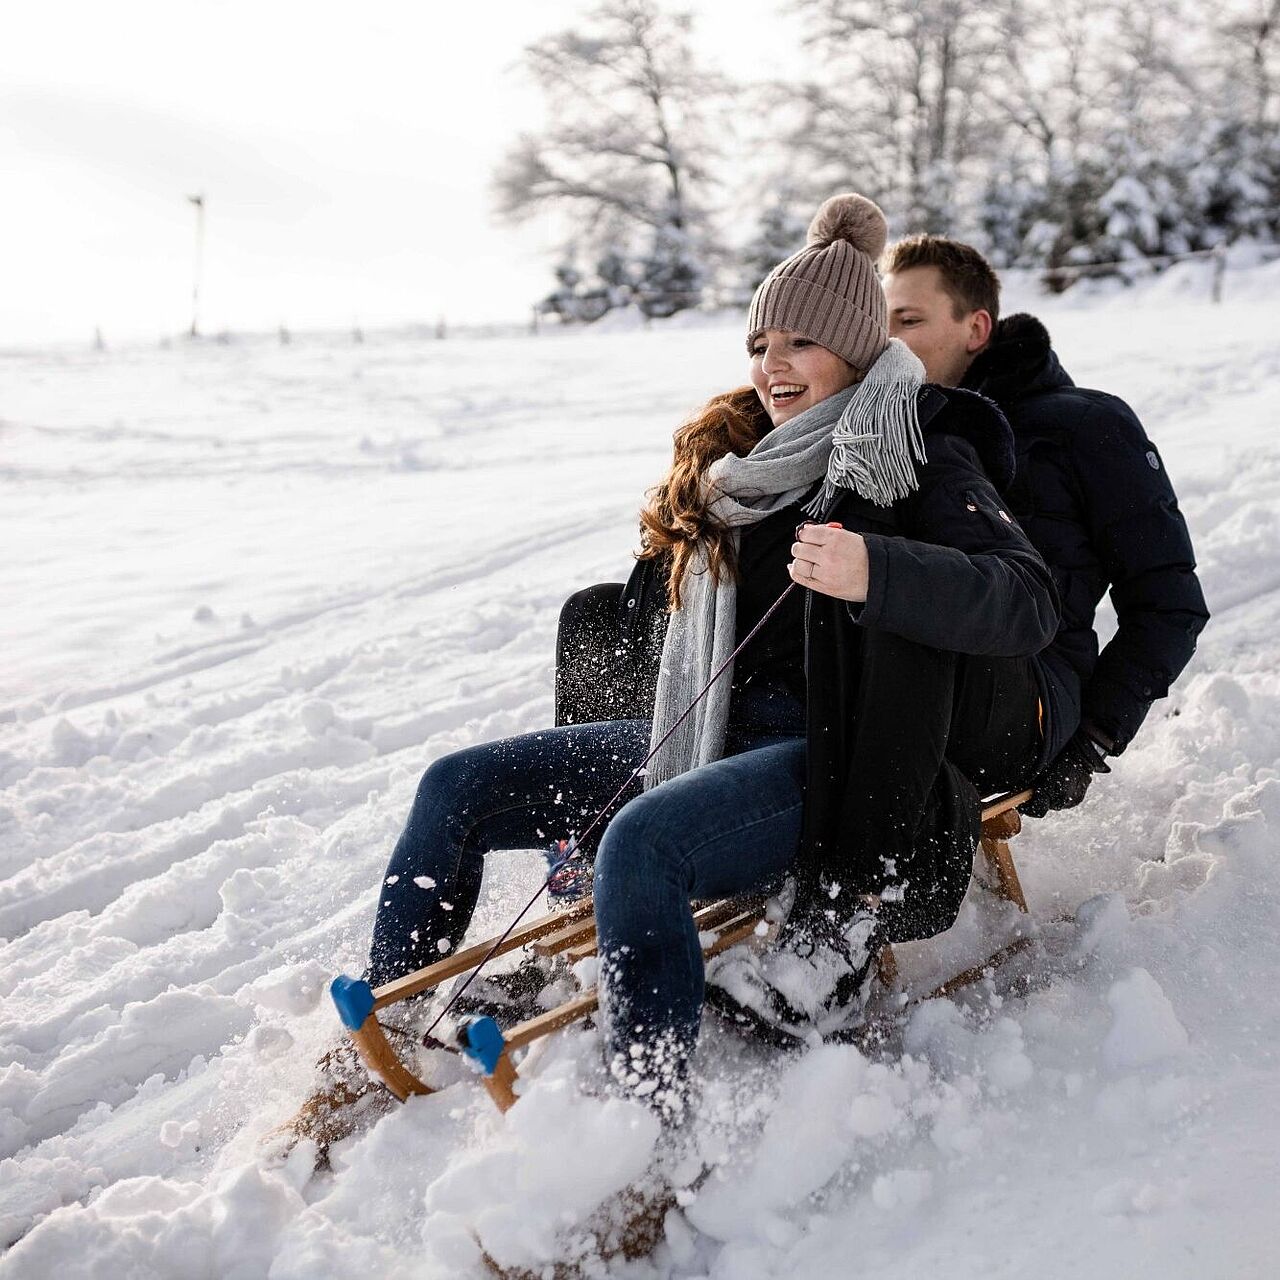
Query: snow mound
<point>1144,1028</point>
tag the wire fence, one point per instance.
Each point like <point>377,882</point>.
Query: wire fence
<point>655,303</point>
<point>1071,272</point>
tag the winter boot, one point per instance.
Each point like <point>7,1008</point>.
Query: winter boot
<point>569,874</point>
<point>814,984</point>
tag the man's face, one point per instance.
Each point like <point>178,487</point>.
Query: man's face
<point>923,315</point>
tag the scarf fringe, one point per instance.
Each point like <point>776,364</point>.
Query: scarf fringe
<point>877,440</point>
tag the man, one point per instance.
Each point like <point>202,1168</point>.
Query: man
<point>1092,494</point>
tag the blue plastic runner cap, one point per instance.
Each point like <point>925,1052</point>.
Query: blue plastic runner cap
<point>482,1042</point>
<point>354,998</point>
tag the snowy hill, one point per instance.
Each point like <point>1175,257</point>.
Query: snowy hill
<point>252,591</point>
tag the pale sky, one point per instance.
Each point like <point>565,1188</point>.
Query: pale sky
<point>345,153</point>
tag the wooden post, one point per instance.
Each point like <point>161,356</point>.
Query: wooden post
<point>484,1044</point>
<point>1219,270</point>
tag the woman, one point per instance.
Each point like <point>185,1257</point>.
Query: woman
<point>826,753</point>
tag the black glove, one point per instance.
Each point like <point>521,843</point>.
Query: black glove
<point>1063,784</point>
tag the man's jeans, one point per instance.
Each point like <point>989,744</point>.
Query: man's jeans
<point>726,828</point>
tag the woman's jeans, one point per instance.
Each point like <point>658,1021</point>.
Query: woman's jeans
<point>723,829</point>
<point>726,828</point>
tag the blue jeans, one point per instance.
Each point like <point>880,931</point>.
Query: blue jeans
<point>726,828</point>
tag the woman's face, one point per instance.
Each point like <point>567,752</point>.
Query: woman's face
<point>792,373</point>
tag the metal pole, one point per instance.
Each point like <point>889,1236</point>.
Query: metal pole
<point>198,271</point>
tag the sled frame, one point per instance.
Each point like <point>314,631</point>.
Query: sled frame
<point>571,933</point>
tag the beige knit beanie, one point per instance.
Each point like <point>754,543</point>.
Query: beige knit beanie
<point>829,291</point>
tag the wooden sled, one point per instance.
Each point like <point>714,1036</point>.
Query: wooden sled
<point>571,933</point>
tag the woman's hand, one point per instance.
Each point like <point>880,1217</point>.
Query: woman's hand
<point>830,559</point>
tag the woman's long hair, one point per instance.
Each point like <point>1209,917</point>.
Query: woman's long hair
<point>675,517</point>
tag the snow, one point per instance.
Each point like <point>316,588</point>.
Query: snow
<point>253,591</point>
<point>517,1191</point>
<point>1144,1027</point>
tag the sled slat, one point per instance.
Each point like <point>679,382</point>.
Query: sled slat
<point>969,976</point>
<point>554,943</point>
<point>733,931</point>
<point>719,914</point>
<point>1002,804</point>
<point>545,1023</point>
<point>714,916</point>
<point>434,974</point>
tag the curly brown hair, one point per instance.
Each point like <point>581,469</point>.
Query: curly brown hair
<point>675,518</point>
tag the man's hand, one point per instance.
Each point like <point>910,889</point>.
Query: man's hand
<point>830,559</point>
<point>1064,783</point>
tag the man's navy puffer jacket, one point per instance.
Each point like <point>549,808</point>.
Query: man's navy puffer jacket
<point>1093,495</point>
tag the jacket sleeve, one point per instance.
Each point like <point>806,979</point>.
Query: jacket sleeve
<point>1145,550</point>
<point>967,578</point>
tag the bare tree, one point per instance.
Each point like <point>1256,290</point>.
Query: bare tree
<point>1047,83</point>
<point>626,154</point>
<point>905,99</point>
<point>1249,51</point>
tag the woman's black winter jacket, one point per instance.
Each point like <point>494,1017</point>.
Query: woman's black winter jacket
<point>951,573</point>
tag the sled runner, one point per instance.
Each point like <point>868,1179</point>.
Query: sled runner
<point>570,934</point>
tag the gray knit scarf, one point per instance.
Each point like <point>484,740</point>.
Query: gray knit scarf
<point>866,438</point>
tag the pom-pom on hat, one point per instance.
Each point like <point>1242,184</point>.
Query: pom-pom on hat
<point>829,291</point>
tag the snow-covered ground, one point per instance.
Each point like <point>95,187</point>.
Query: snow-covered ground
<point>251,591</point>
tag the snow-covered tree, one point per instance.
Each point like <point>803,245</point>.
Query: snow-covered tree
<point>580,297</point>
<point>1236,169</point>
<point>1106,106</point>
<point>625,157</point>
<point>898,102</point>
<point>672,275</point>
<point>1051,133</point>
<point>1247,49</point>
